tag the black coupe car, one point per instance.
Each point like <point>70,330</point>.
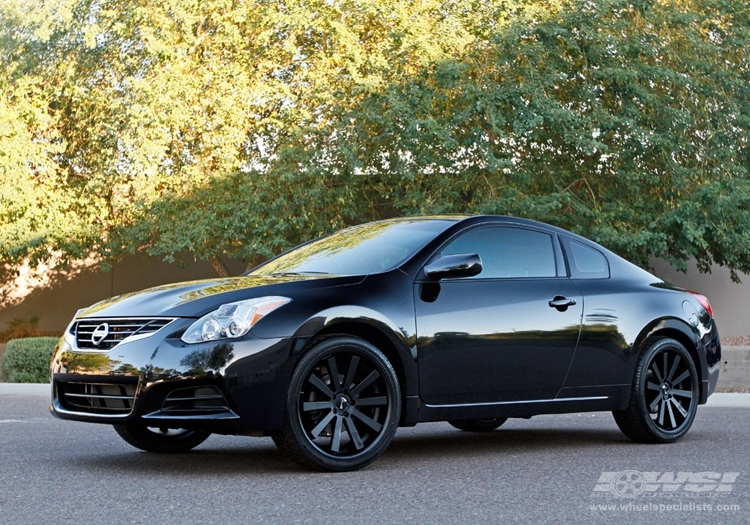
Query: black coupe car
<point>331,346</point>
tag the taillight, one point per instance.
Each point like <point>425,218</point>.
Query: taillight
<point>704,302</point>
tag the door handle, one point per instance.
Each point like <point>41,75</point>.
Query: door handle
<point>561,303</point>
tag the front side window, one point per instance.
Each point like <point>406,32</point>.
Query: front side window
<point>507,253</point>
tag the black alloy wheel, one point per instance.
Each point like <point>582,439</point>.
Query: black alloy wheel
<point>478,425</point>
<point>665,395</point>
<point>343,406</point>
<point>155,439</point>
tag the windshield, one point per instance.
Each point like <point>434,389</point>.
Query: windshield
<point>368,248</point>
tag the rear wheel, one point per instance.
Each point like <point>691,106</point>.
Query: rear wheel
<point>665,394</point>
<point>155,439</point>
<point>343,406</point>
<point>478,425</point>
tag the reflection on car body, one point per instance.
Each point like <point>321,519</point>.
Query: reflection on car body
<point>331,346</point>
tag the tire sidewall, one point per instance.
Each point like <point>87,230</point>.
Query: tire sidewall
<point>318,352</point>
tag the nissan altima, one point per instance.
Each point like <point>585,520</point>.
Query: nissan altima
<point>331,346</point>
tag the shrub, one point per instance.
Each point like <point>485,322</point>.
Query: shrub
<point>27,360</point>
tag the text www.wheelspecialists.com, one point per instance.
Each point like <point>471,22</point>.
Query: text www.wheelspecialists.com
<point>664,507</point>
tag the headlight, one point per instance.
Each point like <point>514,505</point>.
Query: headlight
<point>232,320</point>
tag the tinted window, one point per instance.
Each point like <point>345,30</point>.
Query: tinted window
<point>508,252</point>
<point>585,262</point>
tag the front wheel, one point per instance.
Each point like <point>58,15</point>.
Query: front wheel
<point>478,425</point>
<point>343,406</point>
<point>154,439</point>
<point>665,394</point>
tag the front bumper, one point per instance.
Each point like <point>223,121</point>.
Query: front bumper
<point>231,386</point>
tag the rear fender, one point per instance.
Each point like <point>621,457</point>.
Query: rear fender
<point>689,336</point>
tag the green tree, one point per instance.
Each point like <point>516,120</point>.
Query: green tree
<point>226,128</point>
<point>621,121</point>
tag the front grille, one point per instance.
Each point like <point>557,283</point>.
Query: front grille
<point>104,334</point>
<point>97,398</point>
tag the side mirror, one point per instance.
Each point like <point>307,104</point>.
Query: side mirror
<point>451,266</point>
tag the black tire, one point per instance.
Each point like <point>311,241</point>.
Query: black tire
<point>665,394</point>
<point>152,439</point>
<point>478,425</point>
<point>343,406</point>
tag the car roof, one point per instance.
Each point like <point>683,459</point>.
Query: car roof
<point>468,220</point>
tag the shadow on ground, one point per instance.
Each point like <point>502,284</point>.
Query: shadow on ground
<point>252,455</point>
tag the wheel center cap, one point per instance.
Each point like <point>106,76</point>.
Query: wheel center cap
<point>665,390</point>
<point>342,403</point>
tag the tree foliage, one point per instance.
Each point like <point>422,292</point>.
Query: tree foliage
<point>238,128</point>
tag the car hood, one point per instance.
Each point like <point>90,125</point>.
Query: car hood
<point>197,298</point>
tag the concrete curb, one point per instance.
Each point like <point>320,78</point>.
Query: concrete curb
<point>25,389</point>
<point>724,400</point>
<point>718,400</point>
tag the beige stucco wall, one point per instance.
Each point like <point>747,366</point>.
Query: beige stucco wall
<point>57,301</point>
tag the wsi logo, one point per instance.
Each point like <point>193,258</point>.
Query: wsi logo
<point>632,483</point>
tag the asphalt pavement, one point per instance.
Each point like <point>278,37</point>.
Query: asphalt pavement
<point>573,468</point>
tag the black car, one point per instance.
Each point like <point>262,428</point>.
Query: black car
<point>331,346</point>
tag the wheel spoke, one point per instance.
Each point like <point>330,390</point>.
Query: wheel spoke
<point>320,385</point>
<point>652,406</point>
<point>334,372</point>
<point>674,368</point>
<point>365,383</point>
<point>322,425</point>
<point>354,434</point>
<point>661,412</point>
<point>671,415</point>
<point>372,401</point>
<point>652,386</point>
<point>336,441</point>
<point>316,405</point>
<point>681,377</point>
<point>350,374</point>
<point>366,420</point>
<point>678,406</point>
<point>658,375</point>
<point>683,393</point>
<point>666,366</point>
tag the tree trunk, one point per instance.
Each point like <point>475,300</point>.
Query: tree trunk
<point>219,266</point>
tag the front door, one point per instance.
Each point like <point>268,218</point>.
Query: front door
<point>495,337</point>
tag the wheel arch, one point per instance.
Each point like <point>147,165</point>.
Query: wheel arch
<point>681,332</point>
<point>378,331</point>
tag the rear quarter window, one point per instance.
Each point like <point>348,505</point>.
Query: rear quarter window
<point>584,261</point>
